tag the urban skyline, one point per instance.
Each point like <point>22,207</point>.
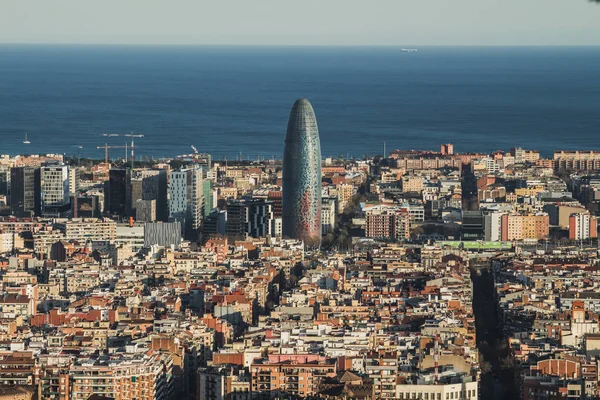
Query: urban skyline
<point>433,235</point>
<point>196,250</point>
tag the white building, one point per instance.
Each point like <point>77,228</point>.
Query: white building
<point>459,390</point>
<point>277,227</point>
<point>84,229</point>
<point>490,165</point>
<point>186,199</point>
<point>7,242</point>
<point>492,225</point>
<point>328,207</point>
<point>55,187</point>
<point>74,177</point>
<point>582,226</point>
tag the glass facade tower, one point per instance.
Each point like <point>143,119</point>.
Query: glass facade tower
<point>302,176</point>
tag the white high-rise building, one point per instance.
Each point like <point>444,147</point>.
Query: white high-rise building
<point>186,199</point>
<point>54,187</point>
<point>492,227</point>
<point>582,226</point>
<point>276,227</point>
<point>328,206</point>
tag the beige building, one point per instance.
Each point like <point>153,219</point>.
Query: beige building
<point>520,227</point>
<point>344,195</point>
<point>84,229</point>
<point>412,184</point>
<point>581,160</point>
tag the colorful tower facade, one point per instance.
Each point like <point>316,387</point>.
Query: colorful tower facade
<point>302,176</point>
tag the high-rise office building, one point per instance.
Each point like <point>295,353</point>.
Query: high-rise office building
<point>55,189</point>
<point>207,191</point>
<point>25,192</point>
<point>302,176</point>
<point>186,201</point>
<point>249,218</point>
<point>215,224</point>
<point>117,196</point>
<point>4,181</point>
<point>150,185</point>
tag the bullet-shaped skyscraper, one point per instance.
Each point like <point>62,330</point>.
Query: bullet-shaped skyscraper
<point>302,176</point>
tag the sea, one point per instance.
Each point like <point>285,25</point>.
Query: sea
<point>234,102</point>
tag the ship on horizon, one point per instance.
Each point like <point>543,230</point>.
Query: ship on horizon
<point>406,50</point>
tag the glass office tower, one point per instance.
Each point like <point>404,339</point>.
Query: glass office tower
<point>302,176</point>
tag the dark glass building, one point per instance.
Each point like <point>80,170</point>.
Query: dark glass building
<point>472,225</point>
<point>117,194</point>
<point>4,179</point>
<point>302,176</point>
<point>249,218</point>
<point>25,192</point>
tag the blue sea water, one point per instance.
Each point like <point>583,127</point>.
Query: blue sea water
<point>227,100</point>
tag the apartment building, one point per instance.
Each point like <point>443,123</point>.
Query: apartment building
<point>84,229</point>
<point>388,223</point>
<point>520,227</point>
<point>582,226</point>
<point>136,376</point>
<point>294,374</point>
<point>327,214</point>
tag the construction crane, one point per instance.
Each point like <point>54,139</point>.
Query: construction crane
<point>195,150</point>
<point>106,147</point>
<point>129,135</point>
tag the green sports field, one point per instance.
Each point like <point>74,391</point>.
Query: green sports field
<point>478,245</point>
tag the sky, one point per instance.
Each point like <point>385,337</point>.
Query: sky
<point>301,22</point>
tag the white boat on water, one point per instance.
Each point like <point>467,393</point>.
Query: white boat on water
<point>409,50</point>
<point>26,141</point>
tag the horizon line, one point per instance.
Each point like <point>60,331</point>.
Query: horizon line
<point>283,45</point>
